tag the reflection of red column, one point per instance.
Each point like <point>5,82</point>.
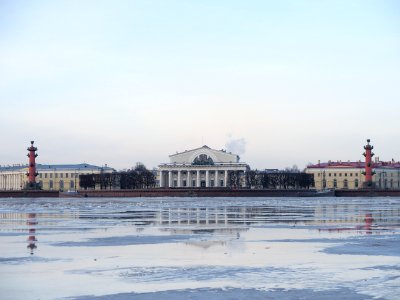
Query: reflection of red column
<point>32,232</point>
<point>32,166</point>
<point>368,164</point>
<point>368,223</point>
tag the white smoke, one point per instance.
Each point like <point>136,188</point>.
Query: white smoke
<point>236,146</point>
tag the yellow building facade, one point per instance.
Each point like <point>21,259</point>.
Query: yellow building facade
<point>349,175</point>
<point>50,177</point>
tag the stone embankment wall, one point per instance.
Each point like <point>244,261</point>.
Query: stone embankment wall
<point>29,194</point>
<point>201,192</point>
<point>367,193</point>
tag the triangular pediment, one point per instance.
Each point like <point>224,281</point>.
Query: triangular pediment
<point>204,155</point>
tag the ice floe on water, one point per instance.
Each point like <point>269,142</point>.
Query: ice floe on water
<point>197,248</point>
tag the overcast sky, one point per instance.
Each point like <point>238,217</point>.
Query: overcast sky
<point>278,82</point>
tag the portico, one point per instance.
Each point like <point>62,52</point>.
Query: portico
<point>201,168</point>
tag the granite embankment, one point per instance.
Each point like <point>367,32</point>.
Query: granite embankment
<point>29,194</point>
<point>199,192</point>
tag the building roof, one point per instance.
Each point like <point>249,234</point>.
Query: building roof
<point>203,147</point>
<point>43,167</point>
<point>356,164</point>
<point>203,153</point>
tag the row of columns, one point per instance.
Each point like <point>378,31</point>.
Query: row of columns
<point>189,178</point>
<point>10,182</point>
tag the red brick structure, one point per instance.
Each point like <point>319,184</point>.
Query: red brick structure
<point>32,168</point>
<point>368,173</point>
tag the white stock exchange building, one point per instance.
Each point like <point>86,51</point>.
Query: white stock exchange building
<point>203,168</point>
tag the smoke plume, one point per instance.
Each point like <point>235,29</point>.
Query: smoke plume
<point>236,146</point>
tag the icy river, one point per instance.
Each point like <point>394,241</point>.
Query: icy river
<point>200,248</point>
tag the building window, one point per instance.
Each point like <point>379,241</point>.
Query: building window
<point>324,184</point>
<point>212,182</point>
<point>340,174</point>
<point>175,183</point>
<point>221,182</point>
<point>51,184</point>
<point>351,174</point>
<point>334,183</point>
<point>193,182</point>
<point>61,185</point>
<point>334,174</point>
<point>356,183</point>
<point>45,175</point>
<point>184,183</point>
<point>356,174</point>
<point>56,175</point>
<point>329,174</point>
<point>345,174</point>
<point>40,175</point>
<point>71,184</point>
<point>51,175</point>
<point>345,184</point>
<point>319,174</point>
<point>61,175</point>
<point>66,175</point>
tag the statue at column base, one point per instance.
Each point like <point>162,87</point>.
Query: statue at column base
<point>369,185</point>
<point>32,186</point>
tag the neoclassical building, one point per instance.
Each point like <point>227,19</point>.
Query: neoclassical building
<point>349,175</point>
<point>51,177</point>
<point>202,167</point>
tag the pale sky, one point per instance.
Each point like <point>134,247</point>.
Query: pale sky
<point>118,82</point>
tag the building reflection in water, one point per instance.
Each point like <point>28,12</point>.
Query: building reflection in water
<point>367,227</point>
<point>234,219</point>
<point>32,222</point>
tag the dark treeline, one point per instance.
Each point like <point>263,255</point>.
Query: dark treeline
<point>279,180</point>
<point>287,179</point>
<point>138,178</point>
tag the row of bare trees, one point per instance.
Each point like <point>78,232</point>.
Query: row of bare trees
<point>138,178</point>
<point>279,180</point>
<point>287,179</point>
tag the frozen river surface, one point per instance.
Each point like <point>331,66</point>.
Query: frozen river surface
<point>200,248</point>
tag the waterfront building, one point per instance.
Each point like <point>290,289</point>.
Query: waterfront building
<point>349,175</point>
<point>356,175</point>
<point>203,167</point>
<point>61,177</point>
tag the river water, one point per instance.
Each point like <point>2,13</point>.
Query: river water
<point>197,248</point>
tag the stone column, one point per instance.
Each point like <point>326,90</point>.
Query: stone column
<point>226,178</point>
<point>207,178</point>
<point>198,179</point>
<point>216,179</point>
<point>179,178</point>
<point>161,179</point>
<point>188,181</point>
<point>169,178</point>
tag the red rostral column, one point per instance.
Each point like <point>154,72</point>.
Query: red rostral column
<point>368,164</point>
<point>32,166</point>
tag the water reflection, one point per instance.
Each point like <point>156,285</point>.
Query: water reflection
<point>32,222</point>
<point>233,218</point>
